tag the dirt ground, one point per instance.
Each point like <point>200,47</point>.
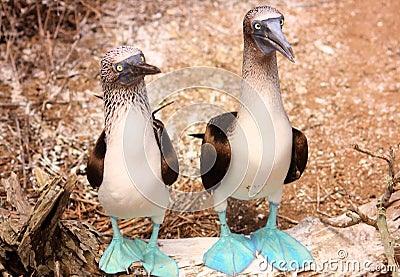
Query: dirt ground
<point>344,89</point>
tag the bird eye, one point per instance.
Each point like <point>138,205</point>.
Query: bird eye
<point>257,26</point>
<point>119,68</point>
<point>282,22</point>
<point>142,58</point>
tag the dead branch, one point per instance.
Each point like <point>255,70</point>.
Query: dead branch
<point>366,219</point>
<point>383,203</point>
<point>356,216</point>
<point>391,179</point>
<point>355,219</point>
<point>363,217</point>
<point>388,243</point>
<point>41,244</point>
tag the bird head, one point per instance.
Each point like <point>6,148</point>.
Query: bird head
<point>264,26</point>
<point>125,65</point>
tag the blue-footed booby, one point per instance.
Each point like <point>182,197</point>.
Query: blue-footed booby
<point>251,153</point>
<point>132,162</point>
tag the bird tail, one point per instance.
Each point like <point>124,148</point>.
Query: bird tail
<point>200,135</point>
<point>160,108</point>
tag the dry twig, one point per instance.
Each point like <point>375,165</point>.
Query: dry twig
<point>384,203</point>
<point>380,222</point>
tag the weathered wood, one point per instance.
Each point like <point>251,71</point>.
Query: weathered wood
<point>40,225</point>
<point>385,238</point>
<point>43,244</point>
<point>15,195</point>
<point>380,223</point>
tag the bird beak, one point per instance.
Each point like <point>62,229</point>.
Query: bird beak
<point>271,38</point>
<point>146,69</point>
<point>137,70</point>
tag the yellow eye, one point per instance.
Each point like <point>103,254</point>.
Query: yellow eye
<point>142,58</point>
<point>257,26</point>
<point>119,68</point>
<point>282,21</point>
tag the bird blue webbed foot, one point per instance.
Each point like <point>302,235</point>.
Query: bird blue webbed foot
<point>232,253</point>
<point>121,252</point>
<point>279,248</point>
<point>154,261</point>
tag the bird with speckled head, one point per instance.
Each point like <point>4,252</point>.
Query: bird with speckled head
<point>128,163</point>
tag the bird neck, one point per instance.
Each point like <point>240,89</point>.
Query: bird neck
<point>119,100</point>
<point>260,77</point>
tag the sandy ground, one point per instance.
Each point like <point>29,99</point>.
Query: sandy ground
<point>344,89</point>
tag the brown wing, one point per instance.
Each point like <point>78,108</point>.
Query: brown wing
<point>216,150</point>
<point>299,156</point>
<point>95,166</point>
<point>169,160</point>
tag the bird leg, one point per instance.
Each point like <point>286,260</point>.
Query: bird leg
<point>121,252</point>
<point>279,248</point>
<point>154,261</point>
<point>232,253</point>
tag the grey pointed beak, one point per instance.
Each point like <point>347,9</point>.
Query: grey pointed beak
<point>271,38</point>
<point>137,70</point>
<point>146,69</point>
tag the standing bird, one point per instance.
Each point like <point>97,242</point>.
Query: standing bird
<point>251,153</point>
<point>131,163</point>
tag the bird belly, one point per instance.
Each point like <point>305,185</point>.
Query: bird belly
<point>132,184</point>
<point>260,157</point>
